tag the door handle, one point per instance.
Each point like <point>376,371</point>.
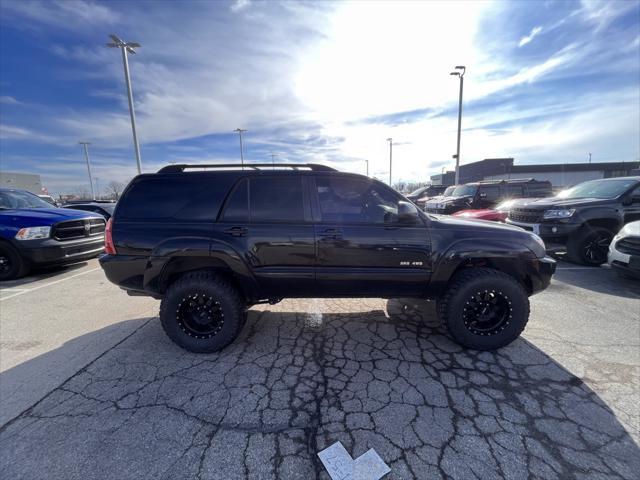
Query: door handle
<point>236,231</point>
<point>331,233</point>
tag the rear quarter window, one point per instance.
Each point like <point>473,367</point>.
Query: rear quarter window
<point>181,197</point>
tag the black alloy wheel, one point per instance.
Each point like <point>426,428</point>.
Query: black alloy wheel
<point>596,247</point>
<point>200,316</point>
<point>487,312</point>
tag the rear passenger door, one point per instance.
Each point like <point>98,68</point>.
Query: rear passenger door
<point>268,219</point>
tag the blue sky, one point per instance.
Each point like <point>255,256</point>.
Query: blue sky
<point>316,82</point>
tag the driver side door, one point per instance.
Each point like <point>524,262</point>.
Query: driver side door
<point>361,247</point>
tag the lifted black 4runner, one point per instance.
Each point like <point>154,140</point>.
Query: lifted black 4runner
<point>212,242</point>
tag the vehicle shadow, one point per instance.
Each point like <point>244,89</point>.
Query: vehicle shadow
<point>41,273</point>
<point>304,374</point>
<point>602,280</point>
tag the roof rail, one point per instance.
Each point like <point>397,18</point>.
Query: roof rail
<point>177,168</point>
<point>507,180</point>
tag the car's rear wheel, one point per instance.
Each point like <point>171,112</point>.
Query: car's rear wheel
<point>484,309</point>
<point>202,313</point>
<point>589,245</point>
<point>12,265</point>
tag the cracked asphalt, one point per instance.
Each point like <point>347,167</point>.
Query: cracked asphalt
<point>121,401</point>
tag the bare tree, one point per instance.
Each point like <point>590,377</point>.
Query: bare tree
<point>114,189</point>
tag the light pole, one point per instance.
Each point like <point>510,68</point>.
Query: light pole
<point>460,74</point>
<point>97,189</point>
<point>273,158</point>
<point>86,157</point>
<point>367,161</point>
<point>128,47</point>
<point>240,132</point>
<point>390,140</point>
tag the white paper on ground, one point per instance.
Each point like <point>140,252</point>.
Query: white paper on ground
<point>340,465</point>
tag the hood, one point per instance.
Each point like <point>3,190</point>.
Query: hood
<point>484,213</point>
<point>553,202</point>
<point>443,199</point>
<point>45,216</point>
<point>450,221</point>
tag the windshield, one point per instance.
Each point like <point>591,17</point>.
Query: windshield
<point>21,199</point>
<point>448,191</point>
<point>465,191</point>
<point>599,189</point>
<point>109,207</point>
<point>417,191</point>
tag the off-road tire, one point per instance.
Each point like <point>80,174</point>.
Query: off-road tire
<point>578,242</point>
<point>202,285</point>
<point>454,307</point>
<point>17,266</point>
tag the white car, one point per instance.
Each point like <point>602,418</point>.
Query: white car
<point>624,251</point>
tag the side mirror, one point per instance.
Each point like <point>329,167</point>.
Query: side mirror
<point>407,213</point>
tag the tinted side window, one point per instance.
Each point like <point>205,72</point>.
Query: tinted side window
<point>513,190</point>
<point>183,197</point>
<point>276,199</point>
<point>237,207</point>
<point>355,200</point>
<point>492,193</point>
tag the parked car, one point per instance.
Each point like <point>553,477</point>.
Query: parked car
<point>422,201</point>
<point>34,233</point>
<point>487,194</point>
<point>211,243</point>
<point>103,208</point>
<point>585,219</point>
<point>497,214</point>
<point>426,191</point>
<point>624,251</point>
<point>49,199</point>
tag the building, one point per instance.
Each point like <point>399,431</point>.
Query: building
<point>561,175</point>
<point>23,181</point>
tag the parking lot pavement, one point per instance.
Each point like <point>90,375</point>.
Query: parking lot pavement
<point>55,322</point>
<point>561,402</point>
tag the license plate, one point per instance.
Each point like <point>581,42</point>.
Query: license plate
<point>536,228</point>
<point>634,262</point>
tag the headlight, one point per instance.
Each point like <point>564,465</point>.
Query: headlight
<point>33,233</point>
<point>556,213</point>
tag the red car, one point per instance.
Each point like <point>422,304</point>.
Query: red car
<point>499,214</point>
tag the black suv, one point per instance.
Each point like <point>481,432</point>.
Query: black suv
<point>213,242</point>
<point>487,194</point>
<point>584,218</point>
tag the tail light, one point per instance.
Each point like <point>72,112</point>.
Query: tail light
<point>109,247</point>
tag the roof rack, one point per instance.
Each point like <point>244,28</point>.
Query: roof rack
<point>506,180</point>
<point>247,166</point>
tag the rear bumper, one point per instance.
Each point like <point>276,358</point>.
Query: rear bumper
<point>49,252</point>
<point>126,271</point>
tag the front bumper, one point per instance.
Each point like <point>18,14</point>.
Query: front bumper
<point>548,229</point>
<point>47,252</point>
<point>626,269</point>
<point>540,272</point>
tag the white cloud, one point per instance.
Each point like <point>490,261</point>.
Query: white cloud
<point>7,100</point>
<point>534,31</point>
<point>66,14</point>
<point>240,5</point>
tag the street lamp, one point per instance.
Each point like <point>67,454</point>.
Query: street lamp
<point>240,132</point>
<point>459,74</point>
<point>128,47</point>
<point>390,140</point>
<point>97,188</point>
<point>86,157</point>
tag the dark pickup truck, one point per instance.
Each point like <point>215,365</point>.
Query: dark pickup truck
<point>583,219</point>
<point>210,243</point>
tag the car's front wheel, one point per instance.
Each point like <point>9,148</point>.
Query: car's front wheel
<point>12,264</point>
<point>484,309</point>
<point>589,245</point>
<point>202,313</point>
